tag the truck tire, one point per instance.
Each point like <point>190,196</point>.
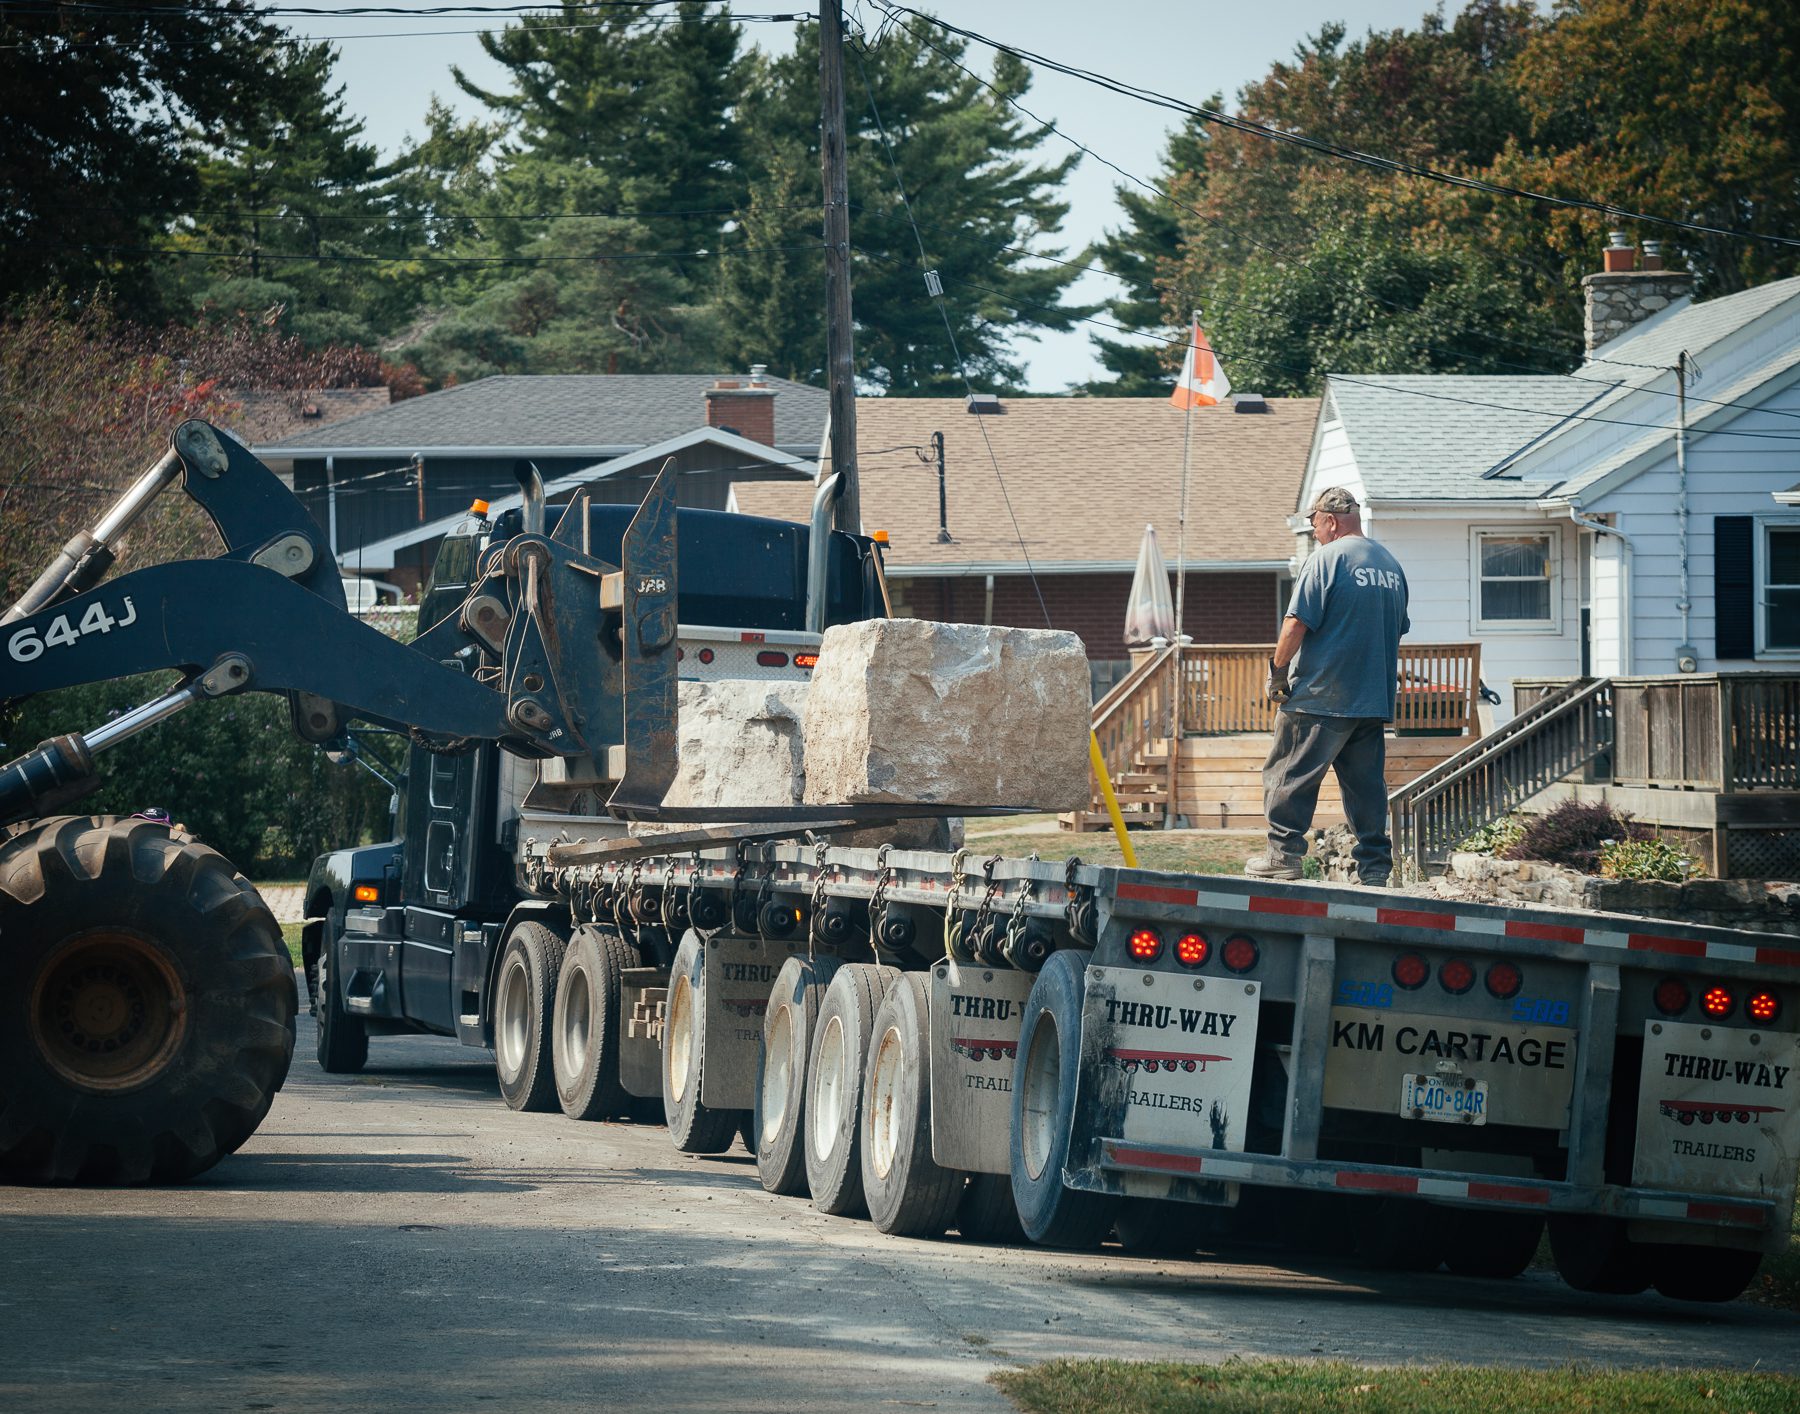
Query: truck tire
<point>781,1057</point>
<point>1685,1273</point>
<point>1594,1254</point>
<point>1490,1244</point>
<point>1401,1234</point>
<point>524,1008</point>
<point>834,1085</point>
<point>586,1026</point>
<point>694,1128</point>
<point>146,1004</point>
<point>1161,1227</point>
<point>909,1194</point>
<point>1043,1112</point>
<point>342,1043</point>
<point>986,1212</point>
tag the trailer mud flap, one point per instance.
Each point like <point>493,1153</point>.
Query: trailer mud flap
<point>975,1015</point>
<point>734,993</point>
<point>1718,1111</point>
<point>1166,1063</point>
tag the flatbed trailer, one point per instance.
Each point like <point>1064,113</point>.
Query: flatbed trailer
<point>925,1035</point>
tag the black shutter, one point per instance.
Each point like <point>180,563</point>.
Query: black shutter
<point>1734,587</point>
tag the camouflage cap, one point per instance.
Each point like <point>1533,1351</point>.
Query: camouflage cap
<point>1336,501</point>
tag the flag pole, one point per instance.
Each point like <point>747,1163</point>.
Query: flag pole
<point>1172,813</point>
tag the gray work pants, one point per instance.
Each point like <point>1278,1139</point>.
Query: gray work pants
<point>1304,749</point>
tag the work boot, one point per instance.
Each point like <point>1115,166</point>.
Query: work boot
<point>1268,865</point>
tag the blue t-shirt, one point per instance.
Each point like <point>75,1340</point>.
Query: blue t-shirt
<point>1351,595</point>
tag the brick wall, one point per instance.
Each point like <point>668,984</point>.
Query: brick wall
<point>1221,608</point>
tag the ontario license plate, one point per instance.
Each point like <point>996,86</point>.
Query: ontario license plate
<point>1448,1099</point>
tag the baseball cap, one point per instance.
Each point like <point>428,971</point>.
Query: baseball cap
<point>1335,501</point>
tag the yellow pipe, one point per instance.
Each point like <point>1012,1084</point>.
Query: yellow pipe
<point>1112,801</point>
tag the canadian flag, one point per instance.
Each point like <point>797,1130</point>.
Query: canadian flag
<point>1203,383</point>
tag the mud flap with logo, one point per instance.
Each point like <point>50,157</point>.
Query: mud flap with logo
<point>1166,1062</point>
<point>733,996</point>
<point>975,1015</point>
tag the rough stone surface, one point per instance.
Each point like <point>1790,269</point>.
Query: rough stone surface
<point>910,710</point>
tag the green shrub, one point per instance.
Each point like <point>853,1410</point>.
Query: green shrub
<point>1495,837</point>
<point>1656,858</point>
<point>1573,834</point>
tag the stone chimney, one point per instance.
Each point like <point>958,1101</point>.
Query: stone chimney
<point>745,406</point>
<point>1627,292</point>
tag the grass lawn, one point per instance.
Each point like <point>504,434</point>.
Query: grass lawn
<point>290,934</point>
<point>1274,1387</point>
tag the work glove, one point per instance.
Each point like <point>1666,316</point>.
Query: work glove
<point>1277,687</point>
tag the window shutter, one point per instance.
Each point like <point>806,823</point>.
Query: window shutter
<point>1734,587</point>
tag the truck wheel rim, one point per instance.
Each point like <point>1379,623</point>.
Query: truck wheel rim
<point>681,1037</point>
<point>1042,1099</point>
<point>778,1071</point>
<point>828,1097</point>
<point>577,1022</point>
<point>512,1035</point>
<point>883,1101</point>
<point>108,1012</point>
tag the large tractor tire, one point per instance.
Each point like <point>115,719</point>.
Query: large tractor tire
<point>342,1043</point>
<point>524,1008</point>
<point>834,1086</point>
<point>986,1212</point>
<point>781,1057</point>
<point>694,1128</point>
<point>588,1027</point>
<point>1685,1273</point>
<point>1593,1254</point>
<point>146,1004</point>
<point>909,1194</point>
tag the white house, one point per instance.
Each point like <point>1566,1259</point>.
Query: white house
<point>1548,517</point>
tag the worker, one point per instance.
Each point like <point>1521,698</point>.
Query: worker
<point>1333,677</point>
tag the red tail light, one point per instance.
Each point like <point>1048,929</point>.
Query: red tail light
<point>1146,945</point>
<point>706,655</point>
<point>769,658</point>
<point>1671,996</point>
<point>1411,971</point>
<point>806,660</point>
<point>1716,1001</point>
<point>1504,980</point>
<point>1240,953</point>
<point>1763,1007</point>
<point>1191,949</point>
<point>1456,976</point>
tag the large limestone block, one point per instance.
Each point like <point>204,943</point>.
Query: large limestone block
<point>948,714</point>
<point>741,742</point>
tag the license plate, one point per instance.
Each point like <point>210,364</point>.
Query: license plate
<point>1448,1099</point>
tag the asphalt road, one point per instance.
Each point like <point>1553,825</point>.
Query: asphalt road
<point>402,1240</point>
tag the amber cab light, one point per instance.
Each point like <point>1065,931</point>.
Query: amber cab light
<point>806,660</point>
<point>1763,1007</point>
<point>1411,970</point>
<point>769,658</point>
<point>1456,976</point>
<point>1671,996</point>
<point>367,893</point>
<point>1191,949</point>
<point>1716,1001</point>
<point>1146,945</point>
<point>1240,953</point>
<point>1504,980</point>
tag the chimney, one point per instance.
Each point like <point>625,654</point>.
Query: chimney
<point>745,406</point>
<point>1624,293</point>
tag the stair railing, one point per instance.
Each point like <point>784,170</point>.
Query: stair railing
<point>1134,713</point>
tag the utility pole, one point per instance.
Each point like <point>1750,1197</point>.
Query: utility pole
<point>840,362</point>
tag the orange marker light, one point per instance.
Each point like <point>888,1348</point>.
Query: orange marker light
<point>367,893</point>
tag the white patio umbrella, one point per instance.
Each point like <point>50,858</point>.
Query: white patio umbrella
<point>1149,612</point>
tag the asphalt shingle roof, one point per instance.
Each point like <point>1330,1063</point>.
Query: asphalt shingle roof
<point>575,410</point>
<point>1083,475</point>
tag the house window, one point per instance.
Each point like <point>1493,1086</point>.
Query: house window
<point>1781,588</point>
<point>1515,583</point>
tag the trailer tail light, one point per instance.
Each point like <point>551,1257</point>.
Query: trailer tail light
<point>366,893</point>
<point>1763,1007</point>
<point>1504,980</point>
<point>1456,976</point>
<point>1411,971</point>
<point>806,660</point>
<point>1191,949</point>
<point>1146,945</point>
<point>706,655</point>
<point>1716,1001</point>
<point>1240,953</point>
<point>770,658</point>
<point>1671,996</point>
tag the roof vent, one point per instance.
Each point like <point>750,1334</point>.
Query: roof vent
<point>985,404</point>
<point>1248,402</point>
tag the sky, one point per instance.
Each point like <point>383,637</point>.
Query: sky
<point>390,69</point>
